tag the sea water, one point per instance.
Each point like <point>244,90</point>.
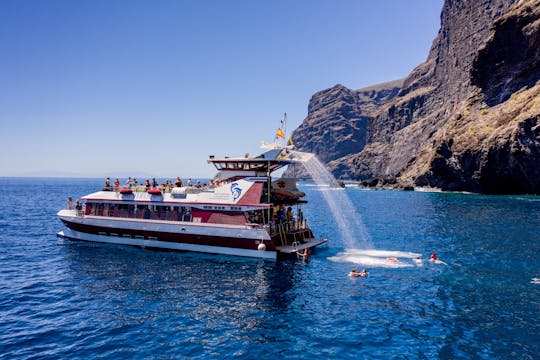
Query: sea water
<point>64,299</point>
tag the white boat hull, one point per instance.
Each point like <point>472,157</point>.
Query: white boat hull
<point>77,235</point>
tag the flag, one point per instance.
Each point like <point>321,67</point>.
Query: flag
<point>290,140</point>
<point>280,134</point>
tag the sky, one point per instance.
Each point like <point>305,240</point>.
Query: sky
<point>117,88</point>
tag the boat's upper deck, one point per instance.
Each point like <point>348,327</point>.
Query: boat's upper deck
<point>244,194</point>
<point>261,165</point>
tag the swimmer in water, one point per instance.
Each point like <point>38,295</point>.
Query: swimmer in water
<point>304,255</point>
<point>355,273</point>
<point>435,259</point>
<point>364,273</point>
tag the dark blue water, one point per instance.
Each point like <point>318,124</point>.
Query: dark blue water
<point>62,299</point>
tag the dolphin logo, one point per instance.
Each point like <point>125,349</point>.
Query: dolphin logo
<point>236,191</point>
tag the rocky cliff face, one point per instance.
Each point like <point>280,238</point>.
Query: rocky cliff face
<point>466,119</point>
<point>337,124</point>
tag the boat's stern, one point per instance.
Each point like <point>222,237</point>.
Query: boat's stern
<point>300,249</point>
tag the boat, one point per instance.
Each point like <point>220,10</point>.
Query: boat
<point>241,212</point>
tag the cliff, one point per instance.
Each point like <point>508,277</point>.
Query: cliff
<point>466,119</point>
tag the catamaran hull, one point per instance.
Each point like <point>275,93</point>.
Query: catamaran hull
<point>241,241</point>
<point>76,235</point>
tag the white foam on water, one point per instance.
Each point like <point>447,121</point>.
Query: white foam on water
<point>378,258</point>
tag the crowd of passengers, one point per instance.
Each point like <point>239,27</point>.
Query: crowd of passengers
<point>133,183</point>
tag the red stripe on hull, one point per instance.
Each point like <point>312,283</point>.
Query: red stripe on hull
<point>230,242</point>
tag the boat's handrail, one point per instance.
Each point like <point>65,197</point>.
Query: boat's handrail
<point>288,226</point>
<point>162,188</point>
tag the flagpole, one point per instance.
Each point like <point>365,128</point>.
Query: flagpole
<point>284,126</point>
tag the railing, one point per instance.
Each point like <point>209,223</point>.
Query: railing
<point>289,226</point>
<point>162,188</point>
<point>138,188</point>
<point>290,231</point>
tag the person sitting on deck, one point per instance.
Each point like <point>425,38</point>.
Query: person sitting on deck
<point>147,184</point>
<point>108,182</point>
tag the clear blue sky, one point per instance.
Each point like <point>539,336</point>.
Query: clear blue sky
<point>119,87</point>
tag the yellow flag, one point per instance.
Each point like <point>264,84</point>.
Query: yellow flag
<point>280,134</point>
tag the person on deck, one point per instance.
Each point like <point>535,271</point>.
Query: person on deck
<point>290,216</point>
<point>300,217</point>
<point>179,182</point>
<point>281,214</point>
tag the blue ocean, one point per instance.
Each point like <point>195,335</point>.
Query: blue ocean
<point>73,300</point>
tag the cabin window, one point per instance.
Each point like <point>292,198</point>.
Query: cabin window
<point>113,209</point>
<point>89,209</point>
<point>184,214</point>
<point>147,212</point>
<point>226,217</point>
<point>255,217</point>
<point>124,210</point>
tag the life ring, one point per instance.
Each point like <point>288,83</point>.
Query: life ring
<point>392,259</point>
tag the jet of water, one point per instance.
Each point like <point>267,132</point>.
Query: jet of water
<point>349,221</point>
